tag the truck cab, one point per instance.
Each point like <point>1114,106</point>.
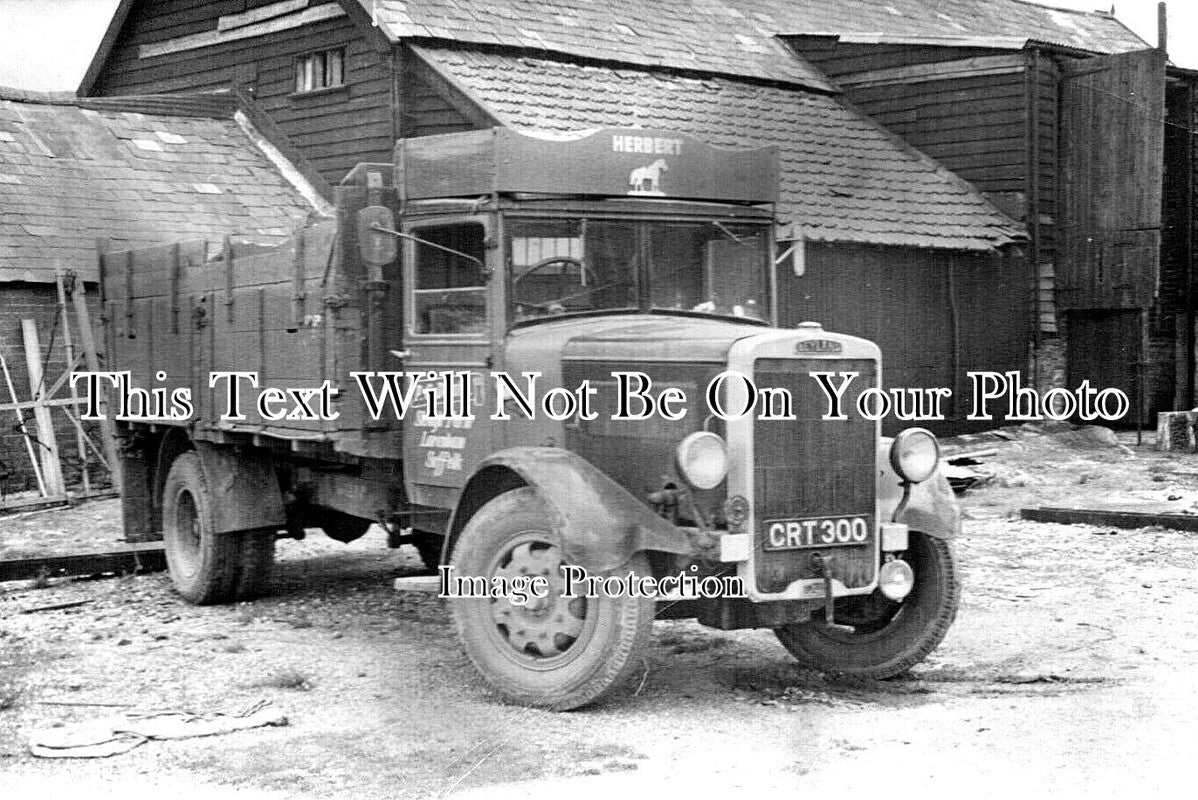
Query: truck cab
<point>605,403</point>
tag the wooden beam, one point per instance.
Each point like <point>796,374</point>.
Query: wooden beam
<point>133,558</point>
<point>1111,518</point>
<point>28,405</point>
<point>47,441</point>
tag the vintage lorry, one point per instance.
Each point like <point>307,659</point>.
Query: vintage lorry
<point>257,409</point>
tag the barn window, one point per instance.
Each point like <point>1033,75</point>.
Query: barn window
<point>323,70</point>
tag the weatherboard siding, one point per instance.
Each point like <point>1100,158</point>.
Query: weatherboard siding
<point>933,329</point>
<point>334,129</point>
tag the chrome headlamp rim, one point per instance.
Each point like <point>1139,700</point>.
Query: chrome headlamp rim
<point>683,459</point>
<point>897,447</point>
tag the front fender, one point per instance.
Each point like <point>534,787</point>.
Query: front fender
<point>601,523</point>
<point>932,507</point>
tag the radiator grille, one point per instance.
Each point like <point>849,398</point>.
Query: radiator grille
<point>811,467</point>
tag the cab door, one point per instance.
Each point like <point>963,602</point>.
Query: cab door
<point>454,305</point>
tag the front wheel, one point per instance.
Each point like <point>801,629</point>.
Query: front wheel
<point>889,637</point>
<point>551,652</point>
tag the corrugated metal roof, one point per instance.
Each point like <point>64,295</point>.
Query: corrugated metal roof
<point>985,20</point>
<point>70,174</point>
<point>845,178</point>
<point>732,38</point>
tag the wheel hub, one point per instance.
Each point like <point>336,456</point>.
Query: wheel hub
<point>541,627</point>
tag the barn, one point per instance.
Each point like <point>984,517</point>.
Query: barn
<point>1069,122</point>
<point>114,172</point>
<point>884,241</point>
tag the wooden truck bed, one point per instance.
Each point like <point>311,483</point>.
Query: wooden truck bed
<point>286,313</point>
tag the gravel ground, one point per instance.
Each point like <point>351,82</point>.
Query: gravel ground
<point>1070,670</point>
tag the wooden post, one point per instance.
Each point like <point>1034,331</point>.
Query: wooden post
<point>48,442</point>
<point>69,347</point>
<point>92,355</point>
<point>1162,28</point>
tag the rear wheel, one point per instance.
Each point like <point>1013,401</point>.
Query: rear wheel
<point>889,637</point>
<point>550,652</point>
<point>205,566</point>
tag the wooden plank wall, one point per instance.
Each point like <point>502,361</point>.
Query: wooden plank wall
<point>978,125</point>
<point>1112,132</point>
<point>426,112</point>
<point>899,297</point>
<point>335,130</point>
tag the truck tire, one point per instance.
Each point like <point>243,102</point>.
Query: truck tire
<point>554,653</point>
<point>890,637</point>
<point>204,566</point>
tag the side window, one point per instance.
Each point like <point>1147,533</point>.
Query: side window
<point>323,70</point>
<point>450,280</point>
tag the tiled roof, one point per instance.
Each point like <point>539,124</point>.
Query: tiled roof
<point>1015,20</point>
<point>737,37</point>
<point>732,38</point>
<point>845,178</point>
<point>70,174</point>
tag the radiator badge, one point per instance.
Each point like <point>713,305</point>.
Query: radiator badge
<point>822,346</point>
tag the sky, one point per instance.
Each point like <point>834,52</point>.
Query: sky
<point>47,44</point>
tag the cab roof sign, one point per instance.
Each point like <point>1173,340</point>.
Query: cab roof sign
<point>614,162</point>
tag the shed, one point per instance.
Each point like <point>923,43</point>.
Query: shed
<point>128,172</point>
<point>1057,116</point>
<point>888,243</point>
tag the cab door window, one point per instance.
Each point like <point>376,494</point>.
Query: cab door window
<point>450,279</point>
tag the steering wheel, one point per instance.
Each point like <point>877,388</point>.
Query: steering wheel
<point>585,273</point>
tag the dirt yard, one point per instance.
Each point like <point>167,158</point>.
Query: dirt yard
<point>1070,670</point>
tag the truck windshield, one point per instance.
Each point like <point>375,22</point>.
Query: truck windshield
<point>560,266</point>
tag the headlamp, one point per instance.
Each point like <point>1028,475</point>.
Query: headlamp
<point>702,459</point>
<point>915,455</point>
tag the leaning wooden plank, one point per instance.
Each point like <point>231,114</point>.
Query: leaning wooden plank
<point>1111,518</point>
<point>91,445</point>
<point>69,346</point>
<point>47,441</point>
<point>37,468</point>
<point>92,354</point>
<point>133,558</point>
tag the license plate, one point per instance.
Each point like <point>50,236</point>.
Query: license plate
<point>798,534</point>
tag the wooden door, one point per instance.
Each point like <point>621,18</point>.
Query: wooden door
<point>1112,140</point>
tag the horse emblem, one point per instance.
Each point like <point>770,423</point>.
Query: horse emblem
<point>647,180</point>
